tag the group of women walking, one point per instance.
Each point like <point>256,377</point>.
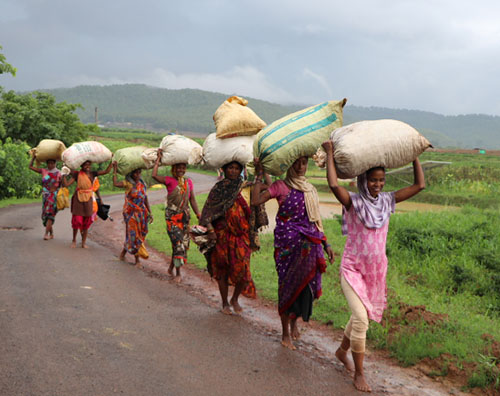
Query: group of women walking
<point>232,215</point>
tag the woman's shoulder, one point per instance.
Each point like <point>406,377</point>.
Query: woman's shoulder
<point>278,188</point>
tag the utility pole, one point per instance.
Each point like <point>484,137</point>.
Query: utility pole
<point>95,115</point>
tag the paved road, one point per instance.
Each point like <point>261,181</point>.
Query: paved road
<point>79,322</point>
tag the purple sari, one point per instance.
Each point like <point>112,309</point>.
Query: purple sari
<point>298,252</point>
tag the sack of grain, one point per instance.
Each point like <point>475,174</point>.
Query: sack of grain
<point>48,149</point>
<point>233,118</point>
<point>367,144</point>
<point>218,152</point>
<point>130,159</point>
<point>296,135</point>
<point>177,149</point>
<point>78,153</point>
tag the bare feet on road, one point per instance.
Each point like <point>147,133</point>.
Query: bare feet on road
<point>361,384</point>
<point>287,343</point>
<point>342,356</point>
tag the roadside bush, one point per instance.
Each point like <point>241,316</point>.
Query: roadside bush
<point>16,179</point>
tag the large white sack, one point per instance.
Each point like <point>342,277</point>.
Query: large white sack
<point>95,152</point>
<point>48,149</point>
<point>177,149</point>
<point>218,152</point>
<point>367,144</point>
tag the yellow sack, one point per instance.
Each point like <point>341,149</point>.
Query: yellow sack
<point>62,198</point>
<point>234,118</point>
<point>142,252</point>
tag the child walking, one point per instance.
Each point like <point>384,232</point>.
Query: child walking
<point>365,221</point>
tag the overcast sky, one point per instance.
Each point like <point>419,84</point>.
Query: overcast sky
<point>439,56</point>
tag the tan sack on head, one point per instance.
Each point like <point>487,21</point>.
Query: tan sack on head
<point>78,153</point>
<point>233,118</point>
<point>218,152</point>
<point>176,149</point>
<point>48,149</point>
<point>367,144</point>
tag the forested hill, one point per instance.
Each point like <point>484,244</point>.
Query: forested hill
<point>192,110</point>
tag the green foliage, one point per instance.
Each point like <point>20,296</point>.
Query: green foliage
<point>4,66</point>
<point>16,179</point>
<point>35,116</point>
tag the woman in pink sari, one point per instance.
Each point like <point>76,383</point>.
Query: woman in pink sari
<point>365,221</point>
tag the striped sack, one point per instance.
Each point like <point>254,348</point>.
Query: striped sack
<point>296,135</point>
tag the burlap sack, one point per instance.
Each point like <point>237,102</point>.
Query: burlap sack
<point>299,134</point>
<point>233,118</point>
<point>130,159</point>
<point>218,152</point>
<point>367,144</point>
<point>177,149</point>
<point>78,153</point>
<point>48,149</point>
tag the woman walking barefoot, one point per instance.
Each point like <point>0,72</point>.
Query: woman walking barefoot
<point>180,193</point>
<point>298,242</point>
<point>82,202</point>
<point>232,223</point>
<point>136,212</point>
<point>365,221</point>
<point>51,181</point>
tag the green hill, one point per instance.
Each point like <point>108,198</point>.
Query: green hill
<point>161,109</point>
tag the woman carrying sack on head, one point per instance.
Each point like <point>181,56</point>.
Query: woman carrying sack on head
<point>136,213</point>
<point>180,193</point>
<point>232,222</point>
<point>298,245</point>
<point>365,221</point>
<point>51,182</point>
<point>82,202</point>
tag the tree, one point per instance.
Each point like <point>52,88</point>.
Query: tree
<point>35,116</point>
<point>4,66</point>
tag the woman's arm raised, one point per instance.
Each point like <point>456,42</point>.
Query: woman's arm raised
<point>417,186</point>
<point>340,192</point>
<point>33,168</point>
<point>260,194</point>
<point>116,183</point>
<point>154,174</point>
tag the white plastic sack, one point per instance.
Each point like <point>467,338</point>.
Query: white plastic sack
<point>177,149</point>
<point>218,152</point>
<point>367,144</point>
<point>95,152</point>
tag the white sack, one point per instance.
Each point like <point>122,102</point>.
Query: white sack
<point>218,152</point>
<point>95,152</point>
<point>367,144</point>
<point>177,149</point>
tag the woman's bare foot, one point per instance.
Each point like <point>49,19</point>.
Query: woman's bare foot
<point>286,341</point>
<point>46,237</point>
<point>84,246</point>
<point>177,279</point>
<point>170,270</point>
<point>236,306</point>
<point>360,383</point>
<point>51,236</point>
<point>73,244</point>
<point>226,310</point>
<point>342,356</point>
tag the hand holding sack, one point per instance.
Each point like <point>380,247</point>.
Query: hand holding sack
<point>48,149</point>
<point>367,144</point>
<point>233,118</point>
<point>296,135</point>
<point>129,159</point>
<point>176,149</point>
<point>78,153</point>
